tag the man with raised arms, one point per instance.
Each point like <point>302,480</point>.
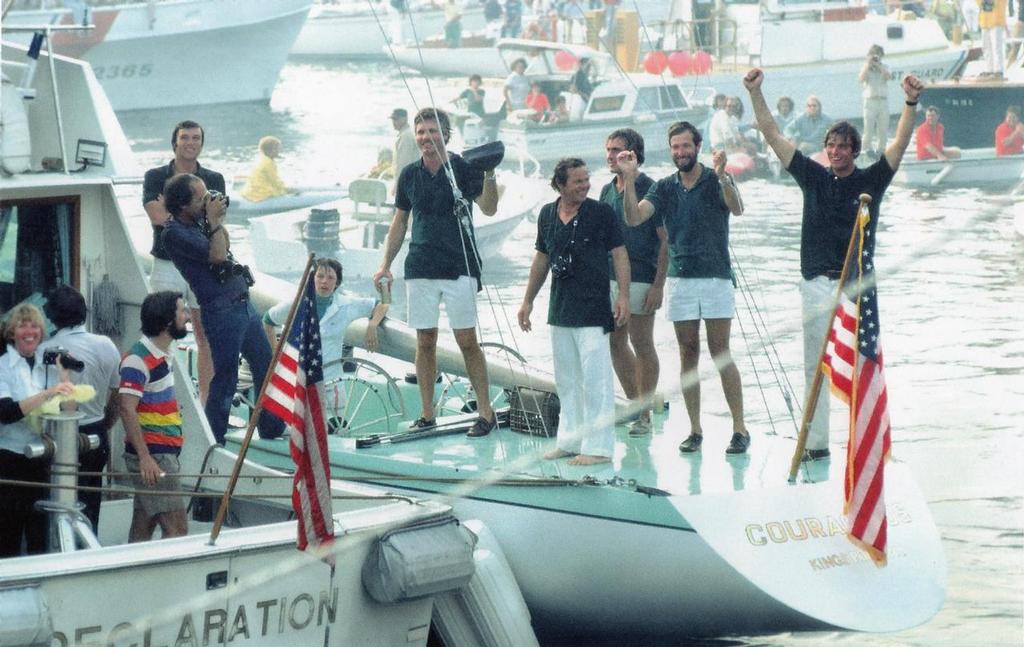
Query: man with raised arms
<point>829,213</point>
<point>442,264</point>
<point>695,204</point>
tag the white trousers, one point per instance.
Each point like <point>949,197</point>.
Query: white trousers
<point>993,43</point>
<point>586,390</point>
<point>876,124</point>
<point>817,297</point>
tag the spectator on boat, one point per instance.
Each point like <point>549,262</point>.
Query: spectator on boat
<point>609,19</point>
<point>577,105</point>
<point>152,419</point>
<point>560,113</point>
<point>575,235</point>
<point>634,356</point>
<point>874,78</point>
<point>517,86</point>
<point>336,310</point>
<point>493,18</point>
<point>807,132</point>
<point>384,169</point>
<point>22,391</point>
<point>406,151</point>
<point>442,263</point>
<point>718,102</point>
<point>538,102</point>
<point>783,115</point>
<point>931,137</point>
<point>198,243</point>
<point>724,129</point>
<point>829,213</point>
<point>452,23</point>
<point>992,20</point>
<point>187,143</point>
<point>1010,133</point>
<point>264,182</point>
<point>66,308</point>
<point>582,80</point>
<point>513,19</point>
<point>695,204</point>
<point>474,96</point>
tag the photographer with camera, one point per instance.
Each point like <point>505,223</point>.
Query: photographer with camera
<point>874,77</point>
<point>197,242</point>
<point>575,235</point>
<point>23,390</point>
<point>187,141</point>
<point>93,360</point>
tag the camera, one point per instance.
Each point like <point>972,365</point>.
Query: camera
<point>217,195</point>
<point>67,360</point>
<point>225,271</point>
<point>561,266</point>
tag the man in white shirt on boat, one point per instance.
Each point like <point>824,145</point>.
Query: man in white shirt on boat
<point>187,141</point>
<point>724,129</point>
<point>874,77</point>
<point>517,86</point>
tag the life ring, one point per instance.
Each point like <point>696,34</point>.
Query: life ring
<point>15,143</point>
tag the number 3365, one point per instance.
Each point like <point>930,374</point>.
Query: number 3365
<point>129,71</point>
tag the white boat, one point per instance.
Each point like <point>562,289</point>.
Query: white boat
<point>280,243</point>
<point>975,167</point>
<point>833,39</point>
<point>546,60</point>
<point>642,102</point>
<point>476,55</point>
<point>168,54</point>
<point>249,585</point>
<point>356,28</point>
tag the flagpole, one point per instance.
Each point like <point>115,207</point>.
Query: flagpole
<point>222,511</point>
<point>815,390</point>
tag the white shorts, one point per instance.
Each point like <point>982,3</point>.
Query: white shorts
<point>695,299</point>
<point>424,297</point>
<point>637,296</point>
<point>167,277</point>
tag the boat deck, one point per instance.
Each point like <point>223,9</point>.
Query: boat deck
<point>653,461</point>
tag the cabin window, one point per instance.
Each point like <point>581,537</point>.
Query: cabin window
<point>647,100</point>
<point>607,104</point>
<point>36,250</point>
<point>672,98</point>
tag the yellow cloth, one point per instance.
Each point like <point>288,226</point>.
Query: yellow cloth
<point>264,182</point>
<point>994,18</point>
<point>82,393</point>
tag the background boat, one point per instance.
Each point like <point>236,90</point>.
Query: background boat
<point>183,53</point>
<point>975,167</point>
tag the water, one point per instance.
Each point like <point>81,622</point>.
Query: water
<point>951,285</point>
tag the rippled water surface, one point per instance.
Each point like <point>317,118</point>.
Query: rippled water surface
<point>951,271</point>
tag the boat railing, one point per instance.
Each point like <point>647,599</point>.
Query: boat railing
<point>43,36</point>
<point>693,35</point>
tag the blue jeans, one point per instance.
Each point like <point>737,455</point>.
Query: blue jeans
<point>235,329</point>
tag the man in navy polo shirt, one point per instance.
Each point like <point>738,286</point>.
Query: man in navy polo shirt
<point>187,143</point>
<point>197,242</point>
<point>696,203</point>
<point>829,212</point>
<point>442,264</point>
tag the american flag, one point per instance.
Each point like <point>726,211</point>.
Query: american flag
<point>294,395</point>
<point>853,361</point>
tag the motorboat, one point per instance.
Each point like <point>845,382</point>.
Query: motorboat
<point>476,54</point>
<point>245,585</point>
<point>973,104</point>
<point>354,229</point>
<point>652,546</point>
<point>169,54</point>
<point>645,103</point>
<point>834,37</point>
<point>975,167</point>
<point>358,29</point>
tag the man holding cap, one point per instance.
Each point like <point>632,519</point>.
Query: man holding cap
<point>406,150</point>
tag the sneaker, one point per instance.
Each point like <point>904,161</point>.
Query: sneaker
<point>816,454</point>
<point>738,444</point>
<point>691,444</point>
<point>482,427</point>
<point>422,424</point>
<point>639,428</point>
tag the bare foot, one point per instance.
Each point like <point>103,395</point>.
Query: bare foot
<point>586,459</point>
<point>557,453</point>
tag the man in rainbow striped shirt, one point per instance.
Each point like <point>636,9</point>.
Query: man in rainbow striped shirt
<point>152,420</point>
